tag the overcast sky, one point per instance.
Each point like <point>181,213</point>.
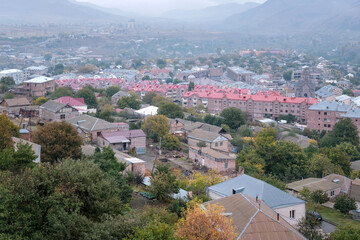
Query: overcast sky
<point>153,7</point>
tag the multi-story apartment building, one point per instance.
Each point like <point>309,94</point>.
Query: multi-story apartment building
<point>239,74</point>
<point>269,104</point>
<point>174,92</point>
<point>16,74</point>
<point>39,87</point>
<point>324,115</point>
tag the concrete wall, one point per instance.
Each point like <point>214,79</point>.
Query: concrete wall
<point>300,211</point>
<point>204,160</point>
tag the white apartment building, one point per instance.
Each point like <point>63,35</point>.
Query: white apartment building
<point>16,74</point>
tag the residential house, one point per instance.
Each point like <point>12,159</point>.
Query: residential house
<point>328,93</point>
<point>90,128</point>
<point>344,182</point>
<point>355,190</point>
<point>133,164</point>
<point>344,84</point>
<point>290,208</point>
<point>345,99</point>
<point>187,128</point>
<point>212,159</point>
<point>12,107</point>
<point>239,74</point>
<point>253,219</point>
<point>176,126</point>
<point>331,188</point>
<point>211,139</point>
<point>77,103</point>
<point>57,111</point>
<point>124,140</point>
<point>39,86</point>
<point>117,96</point>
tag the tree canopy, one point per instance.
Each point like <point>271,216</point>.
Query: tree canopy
<point>58,140</point>
<point>233,117</point>
<point>132,101</point>
<point>89,97</point>
<point>171,110</point>
<point>343,132</point>
<point>156,126</point>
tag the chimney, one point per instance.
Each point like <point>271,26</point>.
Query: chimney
<point>257,198</point>
<point>278,216</point>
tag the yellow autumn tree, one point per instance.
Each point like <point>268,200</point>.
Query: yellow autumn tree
<point>207,221</point>
<point>156,126</point>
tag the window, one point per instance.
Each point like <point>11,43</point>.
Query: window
<point>216,144</point>
<point>292,214</point>
<point>221,143</point>
<point>226,165</point>
<point>332,193</point>
<point>62,116</point>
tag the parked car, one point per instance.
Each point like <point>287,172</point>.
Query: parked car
<point>316,215</point>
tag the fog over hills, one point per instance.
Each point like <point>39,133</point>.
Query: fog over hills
<point>209,14</point>
<point>50,11</point>
<point>293,16</point>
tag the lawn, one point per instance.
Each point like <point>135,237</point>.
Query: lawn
<point>333,215</point>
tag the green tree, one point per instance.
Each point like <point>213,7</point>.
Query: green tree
<point>17,159</point>
<point>156,126</point>
<point>58,140</point>
<point>163,183</point>
<point>170,142</point>
<point>87,68</point>
<point>8,95</point>
<point>155,230</point>
<point>343,132</point>
<point>191,86</point>
<point>233,117</point>
<point>338,157</point>
<point>345,204</point>
<point>161,63</point>
<point>62,92</point>
<point>348,92</point>
<point>110,91</point>
<point>321,166</point>
<point>308,227</point>
<point>89,97</point>
<point>59,69</point>
<point>47,57</point>
<point>8,81</point>
<point>347,232</point>
<point>7,131</point>
<point>171,110</point>
<point>287,75</point>
<point>289,118</point>
<point>146,77</point>
<point>148,98</point>
<point>132,101</point>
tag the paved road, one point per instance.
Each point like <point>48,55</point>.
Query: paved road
<point>327,227</point>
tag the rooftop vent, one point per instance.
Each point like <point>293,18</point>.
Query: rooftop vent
<point>336,180</point>
<point>238,190</point>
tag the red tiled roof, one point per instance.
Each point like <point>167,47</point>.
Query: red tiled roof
<point>71,101</point>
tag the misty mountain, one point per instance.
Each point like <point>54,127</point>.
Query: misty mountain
<point>294,16</point>
<point>209,14</point>
<point>50,11</point>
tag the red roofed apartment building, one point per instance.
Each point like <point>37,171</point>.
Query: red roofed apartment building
<point>269,104</point>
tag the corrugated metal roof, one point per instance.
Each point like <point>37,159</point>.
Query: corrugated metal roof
<point>272,196</point>
<point>330,106</point>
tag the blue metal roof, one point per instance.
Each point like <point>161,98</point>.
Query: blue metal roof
<point>272,196</point>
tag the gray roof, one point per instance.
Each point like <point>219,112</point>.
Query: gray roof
<point>352,113</point>
<point>330,106</point>
<point>272,196</point>
<point>53,106</point>
<point>120,94</point>
<point>328,91</point>
<point>206,136</point>
<point>89,123</point>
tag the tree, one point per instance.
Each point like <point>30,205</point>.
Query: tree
<point>88,68</point>
<point>155,230</point>
<point>59,69</point>
<point>40,101</point>
<point>211,223</point>
<point>348,92</point>
<point>338,157</point>
<point>7,131</point>
<point>8,95</point>
<point>48,57</point>
<point>233,117</point>
<point>170,142</point>
<point>319,197</point>
<point>321,166</point>
<point>158,100</point>
<point>287,75</point>
<point>58,140</point>
<point>156,126</point>
<point>146,77</point>
<point>62,92</point>
<point>161,63</point>
<point>89,97</point>
<point>171,110</point>
<point>345,204</point>
<point>6,83</point>
<point>343,132</point>
<point>132,101</point>
<point>347,232</point>
<point>17,159</point>
<point>163,183</point>
<point>308,227</point>
<point>289,118</point>
<point>110,91</point>
<point>191,86</point>
<point>148,98</point>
